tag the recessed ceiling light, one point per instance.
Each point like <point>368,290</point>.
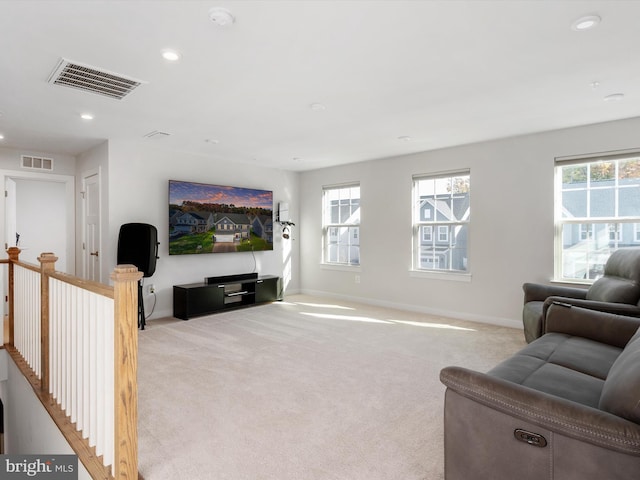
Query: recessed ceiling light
<point>585,23</point>
<point>404,138</point>
<point>317,106</point>
<point>212,141</point>
<point>86,116</point>
<point>614,97</point>
<point>171,55</point>
<point>221,16</point>
<point>1,136</point>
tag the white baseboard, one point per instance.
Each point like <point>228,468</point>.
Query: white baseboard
<point>502,322</point>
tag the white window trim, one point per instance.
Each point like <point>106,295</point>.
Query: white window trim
<point>441,275</point>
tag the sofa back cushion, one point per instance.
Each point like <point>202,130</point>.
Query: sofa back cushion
<point>621,280</point>
<point>615,290</point>
<point>621,390</point>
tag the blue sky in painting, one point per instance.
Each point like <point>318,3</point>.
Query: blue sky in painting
<point>204,193</point>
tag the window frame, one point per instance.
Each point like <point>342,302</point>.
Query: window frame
<point>440,252</point>
<point>329,227</point>
<point>614,225</point>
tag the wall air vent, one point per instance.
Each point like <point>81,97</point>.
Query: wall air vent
<point>36,163</point>
<point>92,79</point>
<point>157,134</point>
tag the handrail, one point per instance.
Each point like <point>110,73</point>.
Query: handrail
<point>123,298</point>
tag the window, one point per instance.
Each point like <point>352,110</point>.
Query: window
<point>341,224</point>
<point>597,212</point>
<point>427,233</point>
<point>446,199</point>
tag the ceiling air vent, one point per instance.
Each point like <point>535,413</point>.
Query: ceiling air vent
<point>36,163</point>
<point>92,79</point>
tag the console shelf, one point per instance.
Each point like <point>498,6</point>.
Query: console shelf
<point>216,294</point>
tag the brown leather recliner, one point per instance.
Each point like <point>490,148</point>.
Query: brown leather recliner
<point>617,291</point>
<point>565,407</point>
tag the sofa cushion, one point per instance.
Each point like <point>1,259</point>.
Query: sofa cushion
<point>621,390</point>
<point>573,368</point>
<point>614,290</point>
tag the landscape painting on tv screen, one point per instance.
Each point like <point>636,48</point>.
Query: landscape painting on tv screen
<point>207,218</point>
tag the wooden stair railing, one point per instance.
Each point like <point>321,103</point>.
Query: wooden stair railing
<point>122,298</point>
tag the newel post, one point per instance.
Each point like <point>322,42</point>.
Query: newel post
<point>14,254</point>
<point>125,297</point>
<point>47,265</point>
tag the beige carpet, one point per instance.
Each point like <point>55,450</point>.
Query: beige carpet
<point>305,389</point>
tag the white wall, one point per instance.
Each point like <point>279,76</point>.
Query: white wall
<point>46,203</point>
<point>511,233</point>
<point>62,164</point>
<point>139,190</point>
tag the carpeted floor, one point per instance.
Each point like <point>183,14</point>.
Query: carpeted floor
<point>304,389</point>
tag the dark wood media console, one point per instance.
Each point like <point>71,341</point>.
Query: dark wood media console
<point>222,293</point>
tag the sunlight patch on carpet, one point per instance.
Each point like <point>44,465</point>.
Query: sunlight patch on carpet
<point>352,318</point>
<point>434,325</point>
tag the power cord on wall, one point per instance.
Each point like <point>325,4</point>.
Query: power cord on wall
<point>152,291</point>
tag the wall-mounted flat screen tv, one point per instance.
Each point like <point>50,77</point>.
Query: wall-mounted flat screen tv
<point>206,218</point>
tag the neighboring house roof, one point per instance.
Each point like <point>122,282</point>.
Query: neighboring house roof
<point>448,208</point>
<point>237,218</point>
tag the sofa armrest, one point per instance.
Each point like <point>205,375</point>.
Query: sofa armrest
<point>609,307</point>
<point>602,327</point>
<point>561,416</point>
<point>539,292</point>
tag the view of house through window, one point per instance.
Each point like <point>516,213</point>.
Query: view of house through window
<point>341,224</point>
<point>597,212</point>
<point>441,221</point>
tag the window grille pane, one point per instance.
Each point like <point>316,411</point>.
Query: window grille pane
<point>603,203</point>
<point>629,171</point>
<point>585,259</point>
<point>574,203</point>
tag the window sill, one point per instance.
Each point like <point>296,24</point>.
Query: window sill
<point>572,282</point>
<point>451,276</point>
<point>343,268</point>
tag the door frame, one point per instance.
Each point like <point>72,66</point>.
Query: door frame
<point>69,183</point>
<point>83,220</point>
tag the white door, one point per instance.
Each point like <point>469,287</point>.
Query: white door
<point>91,244</point>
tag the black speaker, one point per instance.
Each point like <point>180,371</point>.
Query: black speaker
<point>138,245</point>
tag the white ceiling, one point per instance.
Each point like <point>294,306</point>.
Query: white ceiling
<point>441,72</point>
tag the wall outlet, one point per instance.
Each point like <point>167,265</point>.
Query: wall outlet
<point>357,279</point>
<point>151,289</point>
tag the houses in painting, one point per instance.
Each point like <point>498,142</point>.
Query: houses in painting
<point>232,227</point>
<point>226,227</point>
<point>262,226</point>
<point>191,222</point>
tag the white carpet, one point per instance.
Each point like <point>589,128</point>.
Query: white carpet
<point>305,389</point>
